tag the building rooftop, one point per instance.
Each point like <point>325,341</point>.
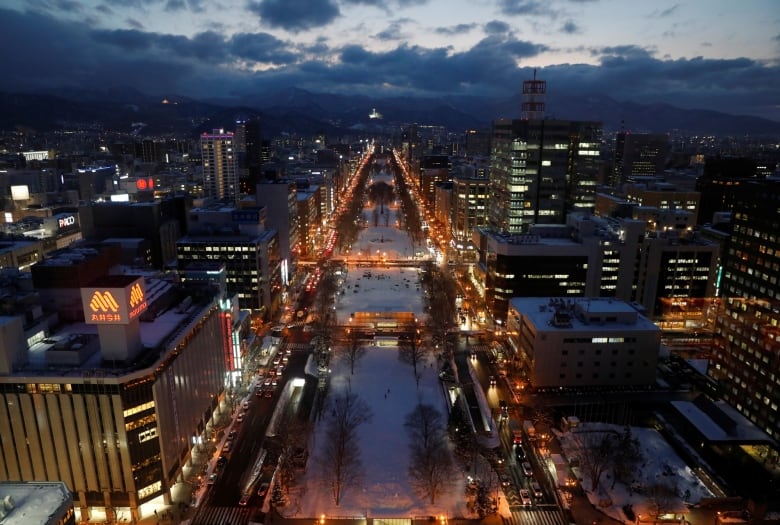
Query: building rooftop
<point>581,314</point>
<point>33,503</point>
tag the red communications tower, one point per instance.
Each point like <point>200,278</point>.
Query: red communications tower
<point>533,99</point>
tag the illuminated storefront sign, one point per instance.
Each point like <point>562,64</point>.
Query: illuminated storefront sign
<point>64,222</point>
<point>114,304</point>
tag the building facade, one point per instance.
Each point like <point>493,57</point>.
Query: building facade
<point>220,173</point>
<point>565,342</point>
<point>540,170</point>
<point>748,327</point>
<point>111,406</point>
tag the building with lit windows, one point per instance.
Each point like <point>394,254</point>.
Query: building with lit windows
<point>309,222</point>
<point>639,154</point>
<point>238,238</point>
<point>748,329</point>
<point>582,342</point>
<point>663,196</point>
<point>433,170</point>
<point>593,256</point>
<point>470,203</point>
<point>111,403</point>
<point>220,173</point>
<point>279,198</point>
<point>540,170</point>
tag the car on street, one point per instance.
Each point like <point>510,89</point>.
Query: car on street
<point>245,404</point>
<point>492,380</point>
<point>232,434</point>
<point>212,479</point>
<point>527,470</point>
<point>221,460</point>
<point>537,489</point>
<point>262,490</point>
<point>240,417</point>
<point>519,452</point>
<point>505,480</point>
<point>244,501</point>
<point>525,497</point>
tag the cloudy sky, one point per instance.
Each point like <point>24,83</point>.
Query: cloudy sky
<point>714,54</point>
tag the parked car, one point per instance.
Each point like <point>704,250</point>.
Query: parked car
<point>525,497</point>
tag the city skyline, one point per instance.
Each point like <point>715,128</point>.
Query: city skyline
<point>710,55</point>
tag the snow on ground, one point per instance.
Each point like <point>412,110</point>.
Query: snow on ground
<point>380,290</point>
<point>661,465</point>
<point>387,385</point>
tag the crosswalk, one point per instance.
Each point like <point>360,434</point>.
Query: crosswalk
<point>222,515</point>
<point>535,517</point>
<point>297,347</point>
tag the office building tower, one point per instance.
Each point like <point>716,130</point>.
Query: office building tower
<point>160,222</point>
<point>748,329</point>
<point>593,257</point>
<point>639,154</point>
<point>540,170</point>
<point>280,200</point>
<point>239,239</point>
<point>220,174</point>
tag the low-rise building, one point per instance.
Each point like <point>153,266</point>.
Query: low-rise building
<point>582,342</point>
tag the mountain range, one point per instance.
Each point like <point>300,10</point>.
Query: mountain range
<point>298,111</point>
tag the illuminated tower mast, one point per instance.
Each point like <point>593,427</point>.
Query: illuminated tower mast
<point>533,99</point>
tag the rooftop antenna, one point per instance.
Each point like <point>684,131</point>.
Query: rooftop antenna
<point>533,99</point>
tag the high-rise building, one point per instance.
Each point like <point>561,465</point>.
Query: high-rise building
<point>238,238</point>
<point>540,170</point>
<point>639,154</point>
<point>748,329</point>
<point>220,176</point>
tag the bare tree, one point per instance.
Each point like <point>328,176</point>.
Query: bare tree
<point>440,292</point>
<point>341,463</point>
<point>411,349</point>
<point>661,499</point>
<point>628,455</point>
<point>291,436</point>
<point>353,348</point>
<point>595,450</point>
<point>430,467</point>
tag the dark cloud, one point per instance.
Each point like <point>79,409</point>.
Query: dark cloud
<point>175,5</point>
<point>621,52</point>
<point>667,12</point>
<point>39,52</point>
<point>458,29</point>
<point>570,28</point>
<point>497,27</point>
<point>261,47</point>
<point>295,15</point>
<point>524,7</point>
<point>394,31</point>
<point>132,22</point>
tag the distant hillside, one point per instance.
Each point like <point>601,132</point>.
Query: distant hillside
<point>303,112</point>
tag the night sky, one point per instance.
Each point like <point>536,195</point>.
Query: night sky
<point>712,54</point>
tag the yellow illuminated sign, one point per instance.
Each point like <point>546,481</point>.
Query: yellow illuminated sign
<point>114,305</point>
